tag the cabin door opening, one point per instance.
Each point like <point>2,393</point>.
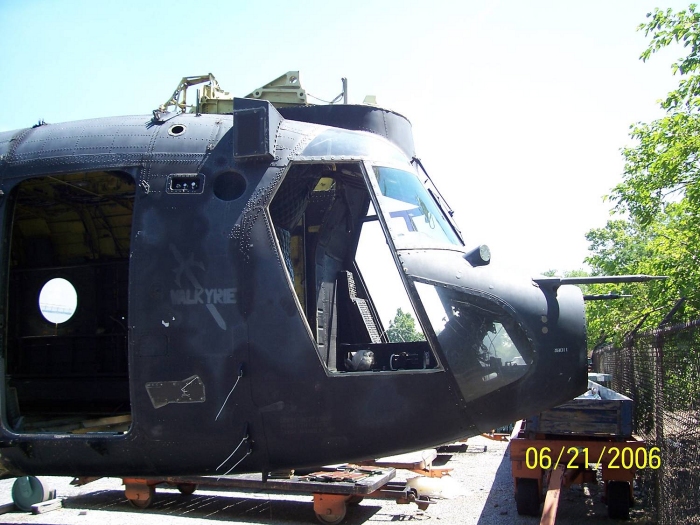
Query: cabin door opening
<point>345,279</point>
<point>66,340</point>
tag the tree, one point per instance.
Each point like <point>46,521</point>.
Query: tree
<point>625,247</point>
<point>663,167</point>
<point>658,201</point>
<point>403,328</point>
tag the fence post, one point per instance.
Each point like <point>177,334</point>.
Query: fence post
<point>659,387</point>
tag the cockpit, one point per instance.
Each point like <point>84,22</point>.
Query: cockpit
<point>349,216</point>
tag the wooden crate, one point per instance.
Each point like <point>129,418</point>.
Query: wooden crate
<point>609,416</point>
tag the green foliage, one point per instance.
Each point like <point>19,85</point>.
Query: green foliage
<point>658,201</point>
<point>683,27</point>
<point>660,248</point>
<point>403,328</point>
<point>662,168</point>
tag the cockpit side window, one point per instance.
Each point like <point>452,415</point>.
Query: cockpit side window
<point>316,213</point>
<point>343,274</point>
<point>401,335</point>
<point>483,344</point>
<point>411,210</point>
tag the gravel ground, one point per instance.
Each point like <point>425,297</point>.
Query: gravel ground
<point>478,491</point>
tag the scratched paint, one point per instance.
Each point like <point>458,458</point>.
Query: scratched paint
<point>208,297</point>
<point>203,296</point>
<point>190,390</point>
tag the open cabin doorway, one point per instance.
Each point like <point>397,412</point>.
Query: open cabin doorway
<point>66,339</point>
<point>345,279</point>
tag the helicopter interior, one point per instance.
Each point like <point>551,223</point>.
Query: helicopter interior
<point>342,271</point>
<point>66,367</point>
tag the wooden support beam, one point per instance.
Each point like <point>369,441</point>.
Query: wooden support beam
<point>46,506</point>
<point>551,502</point>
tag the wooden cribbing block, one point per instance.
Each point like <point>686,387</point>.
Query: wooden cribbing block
<point>46,506</point>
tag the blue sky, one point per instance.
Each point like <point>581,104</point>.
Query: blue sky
<point>519,108</point>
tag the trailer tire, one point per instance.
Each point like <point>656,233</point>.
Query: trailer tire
<point>527,497</point>
<point>618,500</point>
<point>331,519</point>
<point>186,489</point>
<point>144,503</point>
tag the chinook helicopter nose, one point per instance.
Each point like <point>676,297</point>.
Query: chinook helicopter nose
<point>516,344</point>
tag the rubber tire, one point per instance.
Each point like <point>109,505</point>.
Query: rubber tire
<point>331,519</point>
<point>144,503</point>
<point>618,499</point>
<point>527,497</point>
<point>423,506</point>
<point>186,489</point>
<point>28,491</point>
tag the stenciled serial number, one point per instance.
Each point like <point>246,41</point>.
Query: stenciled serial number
<point>612,457</point>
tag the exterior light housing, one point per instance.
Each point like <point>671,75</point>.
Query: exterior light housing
<point>479,256</point>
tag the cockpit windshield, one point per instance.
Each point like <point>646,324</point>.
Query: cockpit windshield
<point>410,210</point>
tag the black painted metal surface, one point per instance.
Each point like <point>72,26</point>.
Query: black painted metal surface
<point>227,370</point>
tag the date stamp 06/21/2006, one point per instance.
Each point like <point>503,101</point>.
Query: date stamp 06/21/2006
<point>612,457</point>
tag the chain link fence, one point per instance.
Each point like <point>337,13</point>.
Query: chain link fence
<point>660,371</point>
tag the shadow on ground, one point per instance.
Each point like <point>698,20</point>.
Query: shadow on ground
<point>258,508</point>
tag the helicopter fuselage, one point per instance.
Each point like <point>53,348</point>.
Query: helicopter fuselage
<point>227,319</point>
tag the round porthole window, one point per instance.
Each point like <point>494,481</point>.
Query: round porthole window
<point>58,300</point>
